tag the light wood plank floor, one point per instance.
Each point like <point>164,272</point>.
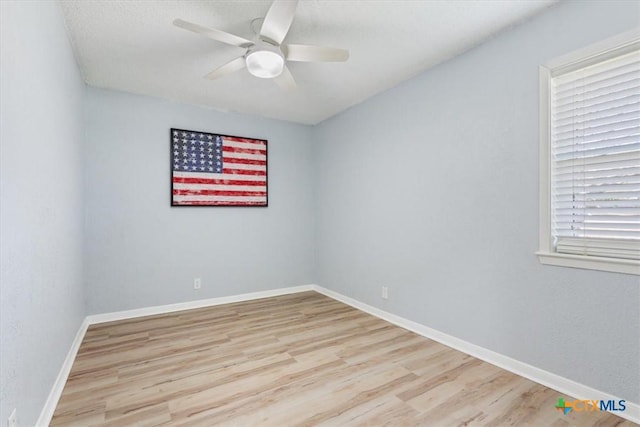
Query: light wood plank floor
<point>302,359</point>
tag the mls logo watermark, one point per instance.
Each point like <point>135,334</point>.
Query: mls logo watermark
<point>590,405</point>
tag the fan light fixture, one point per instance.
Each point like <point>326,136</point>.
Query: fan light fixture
<point>265,64</point>
<point>265,55</point>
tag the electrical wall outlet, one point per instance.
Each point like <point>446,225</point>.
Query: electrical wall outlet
<point>197,283</point>
<point>12,421</point>
<point>385,292</point>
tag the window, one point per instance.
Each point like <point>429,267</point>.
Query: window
<point>590,158</point>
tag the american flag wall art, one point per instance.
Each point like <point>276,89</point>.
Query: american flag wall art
<point>209,169</point>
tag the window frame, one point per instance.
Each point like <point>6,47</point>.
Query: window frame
<point>566,63</point>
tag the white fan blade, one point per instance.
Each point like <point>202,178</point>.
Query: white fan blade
<point>286,80</point>
<point>228,68</point>
<point>214,34</point>
<point>308,53</point>
<point>278,20</point>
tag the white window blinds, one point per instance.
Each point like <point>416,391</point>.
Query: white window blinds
<point>595,156</point>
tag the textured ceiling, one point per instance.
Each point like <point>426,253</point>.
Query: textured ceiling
<point>132,46</point>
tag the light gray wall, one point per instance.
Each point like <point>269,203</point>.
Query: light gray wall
<point>41,289</point>
<point>432,190</point>
<point>141,252</point>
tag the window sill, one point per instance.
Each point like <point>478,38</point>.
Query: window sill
<point>625,266</point>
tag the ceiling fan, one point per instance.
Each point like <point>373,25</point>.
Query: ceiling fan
<point>266,56</point>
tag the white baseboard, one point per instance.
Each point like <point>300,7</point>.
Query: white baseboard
<point>562,385</point>
<point>169,308</point>
<point>56,391</point>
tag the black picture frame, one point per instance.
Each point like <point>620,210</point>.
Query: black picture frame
<point>212,169</point>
